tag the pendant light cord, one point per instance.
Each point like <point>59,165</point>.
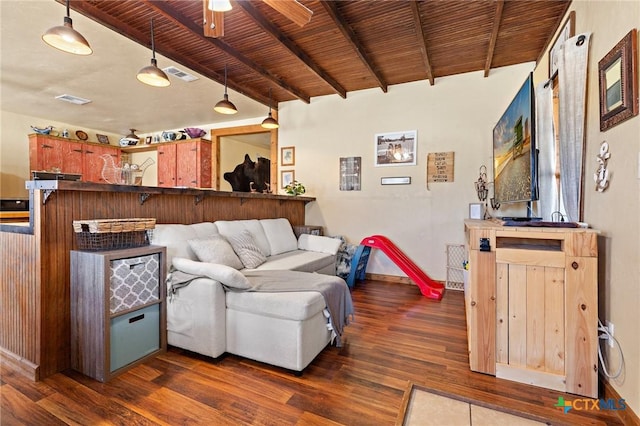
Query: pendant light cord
<point>225,79</point>
<point>153,45</point>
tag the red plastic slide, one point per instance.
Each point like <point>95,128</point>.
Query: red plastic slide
<point>428,287</point>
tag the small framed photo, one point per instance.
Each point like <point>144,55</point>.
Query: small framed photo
<point>287,177</point>
<point>288,156</point>
<point>396,149</point>
<point>102,138</point>
<point>148,140</point>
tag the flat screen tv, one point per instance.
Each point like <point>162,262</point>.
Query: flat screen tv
<point>514,150</point>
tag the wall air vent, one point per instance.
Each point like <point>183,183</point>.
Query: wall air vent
<point>73,99</point>
<point>180,74</point>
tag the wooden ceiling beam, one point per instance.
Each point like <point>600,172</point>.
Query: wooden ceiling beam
<point>293,48</point>
<point>332,10</point>
<point>177,17</point>
<point>417,23</point>
<point>497,18</point>
<point>293,10</point>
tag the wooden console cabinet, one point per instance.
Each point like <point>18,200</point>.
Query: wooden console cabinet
<point>532,305</point>
<point>118,312</point>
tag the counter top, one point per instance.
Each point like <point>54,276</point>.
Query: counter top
<point>63,185</point>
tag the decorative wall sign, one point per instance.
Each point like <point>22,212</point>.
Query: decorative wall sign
<point>400,180</point>
<point>396,149</point>
<point>350,173</point>
<point>440,166</point>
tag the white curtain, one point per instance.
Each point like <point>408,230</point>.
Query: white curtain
<point>572,79</point>
<point>546,145</point>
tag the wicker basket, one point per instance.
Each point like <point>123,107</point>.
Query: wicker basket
<point>110,234</point>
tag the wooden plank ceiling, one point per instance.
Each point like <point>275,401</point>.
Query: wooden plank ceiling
<point>346,46</point>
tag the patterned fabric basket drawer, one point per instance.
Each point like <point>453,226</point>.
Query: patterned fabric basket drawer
<point>134,282</point>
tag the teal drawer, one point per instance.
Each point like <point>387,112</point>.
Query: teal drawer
<point>134,335</point>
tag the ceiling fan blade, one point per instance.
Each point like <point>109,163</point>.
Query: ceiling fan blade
<point>296,12</point>
<point>213,21</point>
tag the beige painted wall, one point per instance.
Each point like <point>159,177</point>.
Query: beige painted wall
<point>616,212</point>
<point>14,149</point>
<point>457,114</point>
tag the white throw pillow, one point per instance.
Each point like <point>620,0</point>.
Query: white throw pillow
<point>228,228</point>
<point>215,249</point>
<point>245,246</point>
<point>223,273</point>
<point>280,235</point>
<point>319,243</point>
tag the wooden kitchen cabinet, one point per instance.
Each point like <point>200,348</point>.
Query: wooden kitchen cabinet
<point>48,153</point>
<point>532,305</point>
<point>185,163</point>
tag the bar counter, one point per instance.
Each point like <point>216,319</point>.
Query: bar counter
<point>35,265</point>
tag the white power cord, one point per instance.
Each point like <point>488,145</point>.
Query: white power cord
<point>606,336</point>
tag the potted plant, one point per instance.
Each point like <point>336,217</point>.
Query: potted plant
<point>295,188</point>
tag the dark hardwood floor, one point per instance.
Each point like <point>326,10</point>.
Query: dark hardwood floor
<point>398,337</point>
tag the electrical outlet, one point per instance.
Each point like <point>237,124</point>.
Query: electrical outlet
<point>610,327</point>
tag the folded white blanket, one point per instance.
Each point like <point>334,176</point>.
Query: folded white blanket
<point>334,289</point>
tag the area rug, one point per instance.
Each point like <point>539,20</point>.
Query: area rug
<point>422,407</point>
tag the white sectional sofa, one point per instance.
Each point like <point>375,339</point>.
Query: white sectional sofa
<point>287,329</point>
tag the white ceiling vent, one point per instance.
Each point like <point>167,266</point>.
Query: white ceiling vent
<point>180,74</point>
<point>73,99</point>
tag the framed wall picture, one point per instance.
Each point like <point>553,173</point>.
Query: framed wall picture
<point>288,156</point>
<point>396,148</point>
<point>350,173</point>
<point>618,77</point>
<point>287,177</point>
<point>102,138</point>
<point>567,31</point>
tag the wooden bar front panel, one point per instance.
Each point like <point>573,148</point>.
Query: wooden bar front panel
<point>35,266</point>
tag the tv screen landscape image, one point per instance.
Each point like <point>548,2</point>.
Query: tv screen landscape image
<point>514,159</point>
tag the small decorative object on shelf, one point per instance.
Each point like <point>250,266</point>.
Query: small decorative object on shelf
<point>295,188</point>
<point>42,131</point>
<point>195,132</point>
<point>130,139</point>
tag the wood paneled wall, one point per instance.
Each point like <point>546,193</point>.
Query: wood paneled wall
<point>35,267</point>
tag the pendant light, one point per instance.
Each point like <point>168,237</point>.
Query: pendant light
<point>270,122</point>
<point>225,106</point>
<point>220,5</point>
<point>65,38</point>
<point>151,74</point>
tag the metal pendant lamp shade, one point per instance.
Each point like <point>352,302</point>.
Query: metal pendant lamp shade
<point>270,122</point>
<point>225,106</point>
<point>65,38</point>
<point>151,74</point>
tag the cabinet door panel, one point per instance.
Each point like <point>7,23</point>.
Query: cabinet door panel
<point>49,154</point>
<point>94,163</point>
<point>554,320</point>
<point>167,165</point>
<point>187,164</point>
<point>205,151</point>
<point>73,157</point>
